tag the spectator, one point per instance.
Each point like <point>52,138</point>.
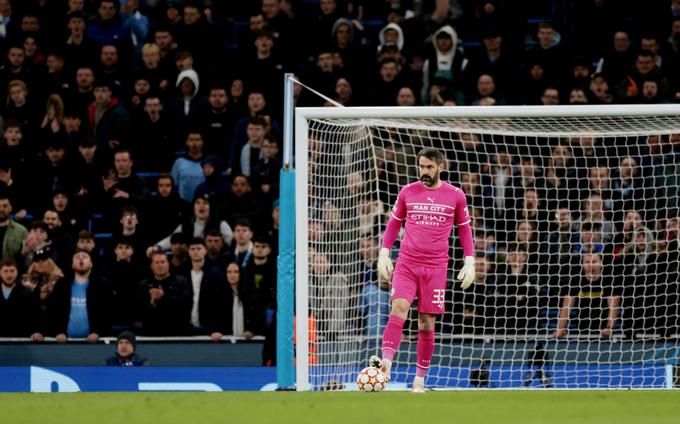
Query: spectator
<point>387,86</point>
<point>215,185</point>
<point>131,230</point>
<point>86,241</point>
<point>59,240</point>
<point>335,286</point>
<point>125,275</point>
<point>218,123</point>
<point>88,188</point>
<point>195,34</point>
<point>108,119</point>
<point>208,290</point>
<point>596,298</point>
<point>550,97</point>
<point>577,96</point>
<point>590,239</point>
<point>251,153</point>
<point>19,307</point>
<point>374,306</point>
<point>136,23</point>
<point>188,104</point>
<point>616,64</point>
<point>53,171</point>
<point>237,316</point>
<point>217,250</point>
<point>12,234</point>
<point>187,171</point>
<point>549,52</point>
<point>259,286</point>
<point>445,61</point>
<point>635,269</point>
<point>165,210</point>
<point>152,69</point>
<point>257,104</point>
<point>126,356</point>
<point>241,202</point>
<point>108,27</point>
<point>154,139</point>
<point>659,174</point>
<point>626,189</point>
<point>645,69</point>
<point>486,88</point>
<point>79,305</point>
<point>79,49</point>
<point>163,301</point>
<point>406,97</point>
<point>559,249</point>
<point>561,177</point>
<point>264,66</point>
<point>36,240</point>
<point>180,264</point>
<point>42,276</point>
<point>164,39</point>
<point>598,90</point>
<point>516,300</point>
<point>493,61</point>
<point>122,187</point>
<point>243,245</point>
<point>111,69</point>
<point>499,183</point>
<point>203,220</point>
<point>470,311</point>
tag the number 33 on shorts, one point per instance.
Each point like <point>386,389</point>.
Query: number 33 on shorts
<point>438,298</point>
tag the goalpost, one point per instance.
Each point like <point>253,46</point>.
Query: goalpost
<point>575,219</point>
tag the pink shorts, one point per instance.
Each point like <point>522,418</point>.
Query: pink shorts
<point>429,284</point>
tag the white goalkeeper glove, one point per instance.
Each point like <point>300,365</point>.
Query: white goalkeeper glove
<point>466,276</point>
<point>385,266</point>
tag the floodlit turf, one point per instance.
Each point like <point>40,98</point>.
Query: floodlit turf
<point>550,407</point>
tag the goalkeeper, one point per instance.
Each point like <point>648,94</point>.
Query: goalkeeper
<point>429,207</point>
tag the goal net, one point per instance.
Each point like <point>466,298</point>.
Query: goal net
<point>575,222</point>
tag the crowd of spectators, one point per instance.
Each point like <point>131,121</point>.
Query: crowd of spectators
<point>140,154</point>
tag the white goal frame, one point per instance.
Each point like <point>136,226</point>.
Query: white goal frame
<point>303,115</point>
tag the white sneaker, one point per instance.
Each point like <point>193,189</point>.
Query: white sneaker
<point>418,385</point>
<point>383,365</point>
<point>386,367</point>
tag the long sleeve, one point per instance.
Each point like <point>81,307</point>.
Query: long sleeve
<point>466,241</point>
<point>398,215</point>
<point>391,232</point>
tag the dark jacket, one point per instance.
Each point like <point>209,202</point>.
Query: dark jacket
<point>130,361</point>
<point>20,313</point>
<point>125,278</point>
<point>165,214</point>
<point>170,315</point>
<point>114,124</point>
<point>211,300</point>
<point>99,300</point>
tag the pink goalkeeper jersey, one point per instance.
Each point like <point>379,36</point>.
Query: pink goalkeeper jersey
<point>429,215</point>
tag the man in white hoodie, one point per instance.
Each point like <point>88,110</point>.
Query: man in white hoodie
<point>187,105</point>
<point>391,34</point>
<point>446,61</point>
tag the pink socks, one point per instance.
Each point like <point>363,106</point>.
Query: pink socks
<point>392,337</point>
<point>425,350</point>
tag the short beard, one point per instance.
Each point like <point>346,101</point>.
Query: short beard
<point>429,181</point>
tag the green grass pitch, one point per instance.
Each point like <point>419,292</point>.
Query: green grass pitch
<point>464,407</point>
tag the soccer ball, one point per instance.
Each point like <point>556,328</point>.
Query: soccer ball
<point>371,380</point>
